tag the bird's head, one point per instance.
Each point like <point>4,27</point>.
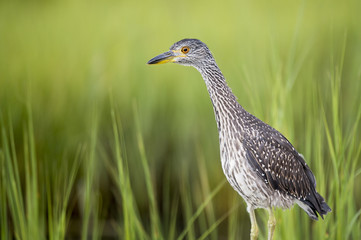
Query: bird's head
<point>188,52</point>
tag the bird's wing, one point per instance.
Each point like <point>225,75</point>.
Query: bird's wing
<point>276,161</point>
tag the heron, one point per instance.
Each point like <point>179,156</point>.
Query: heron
<point>257,160</point>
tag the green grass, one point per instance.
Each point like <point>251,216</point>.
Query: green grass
<point>96,144</point>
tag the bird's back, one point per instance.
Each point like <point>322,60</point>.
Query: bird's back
<point>276,172</point>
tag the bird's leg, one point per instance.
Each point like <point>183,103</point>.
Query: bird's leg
<point>271,223</point>
<point>254,226</point>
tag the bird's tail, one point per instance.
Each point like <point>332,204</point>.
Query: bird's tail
<point>314,204</point>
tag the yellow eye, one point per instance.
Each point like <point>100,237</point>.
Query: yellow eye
<point>185,50</point>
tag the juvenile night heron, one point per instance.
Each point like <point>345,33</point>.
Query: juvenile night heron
<point>258,161</point>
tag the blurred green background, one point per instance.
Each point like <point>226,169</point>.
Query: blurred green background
<point>97,144</point>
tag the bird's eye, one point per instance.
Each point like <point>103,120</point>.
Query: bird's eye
<point>185,50</point>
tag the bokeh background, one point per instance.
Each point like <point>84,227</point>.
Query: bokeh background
<point>97,144</point>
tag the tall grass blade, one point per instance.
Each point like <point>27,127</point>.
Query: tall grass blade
<point>156,232</point>
<point>200,209</point>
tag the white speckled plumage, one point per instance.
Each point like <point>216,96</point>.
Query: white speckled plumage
<point>257,160</point>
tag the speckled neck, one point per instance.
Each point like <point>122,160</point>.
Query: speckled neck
<point>224,102</point>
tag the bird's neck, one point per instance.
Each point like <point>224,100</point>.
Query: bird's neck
<point>225,105</point>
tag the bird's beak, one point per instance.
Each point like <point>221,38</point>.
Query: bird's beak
<point>163,58</point>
